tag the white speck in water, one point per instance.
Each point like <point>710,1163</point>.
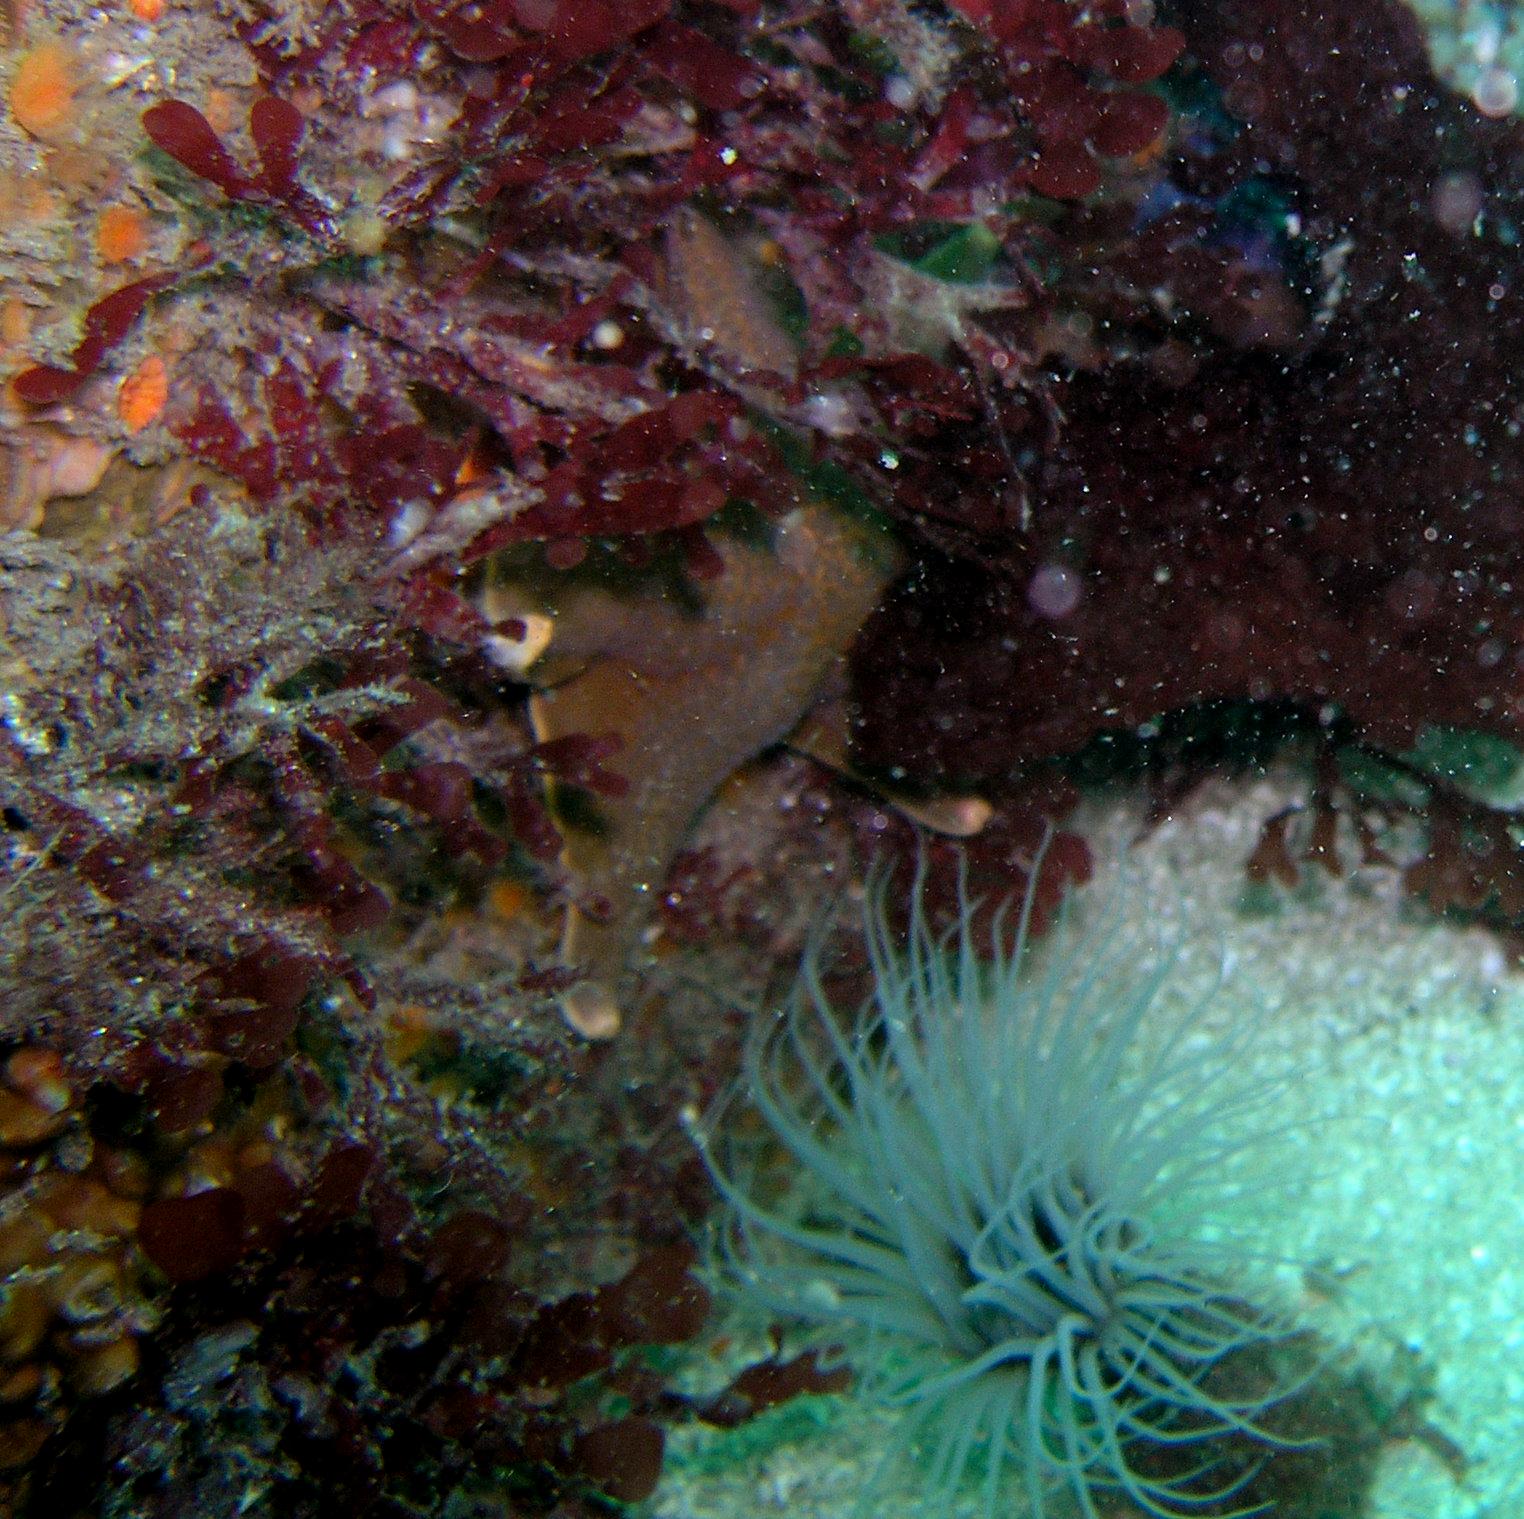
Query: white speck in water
<point>1496,92</point>
<point>1054,591</point>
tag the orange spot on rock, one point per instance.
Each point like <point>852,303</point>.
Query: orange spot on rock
<point>39,206</point>
<point>43,90</point>
<point>15,322</point>
<point>121,234</point>
<point>410,1030</point>
<point>148,10</point>
<point>143,393</point>
<point>220,110</point>
<point>508,900</point>
<point>307,98</point>
<point>472,469</point>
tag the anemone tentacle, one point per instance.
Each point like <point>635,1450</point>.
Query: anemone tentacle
<point>993,1175</point>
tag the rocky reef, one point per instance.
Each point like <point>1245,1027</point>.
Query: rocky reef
<point>512,507</point>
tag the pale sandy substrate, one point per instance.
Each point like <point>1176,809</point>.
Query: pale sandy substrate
<point>1406,1151</point>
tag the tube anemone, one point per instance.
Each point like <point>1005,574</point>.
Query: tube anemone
<point>1002,1188</point>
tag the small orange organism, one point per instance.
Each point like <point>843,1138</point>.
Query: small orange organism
<point>220,110</point>
<point>15,322</point>
<point>508,900</point>
<point>143,393</point>
<point>121,234</point>
<point>43,91</point>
